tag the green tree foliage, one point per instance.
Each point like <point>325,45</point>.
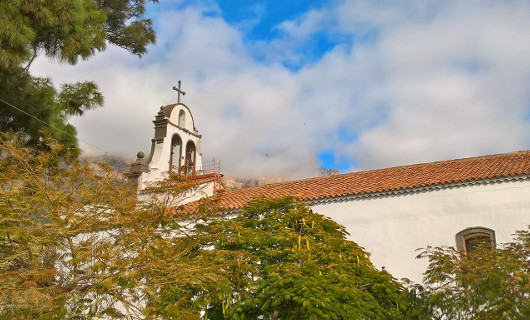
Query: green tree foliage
<point>64,30</point>
<point>76,244</point>
<point>285,262</point>
<point>488,283</point>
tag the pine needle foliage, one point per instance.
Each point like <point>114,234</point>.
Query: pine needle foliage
<point>66,31</point>
<point>69,30</point>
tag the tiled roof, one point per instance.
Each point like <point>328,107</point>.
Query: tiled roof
<point>200,179</point>
<point>205,178</point>
<point>384,180</point>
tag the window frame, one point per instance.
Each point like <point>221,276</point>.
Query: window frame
<point>464,237</point>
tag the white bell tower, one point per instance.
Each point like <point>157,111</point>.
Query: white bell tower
<point>175,149</point>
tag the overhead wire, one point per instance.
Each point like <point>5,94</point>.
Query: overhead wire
<point>51,126</point>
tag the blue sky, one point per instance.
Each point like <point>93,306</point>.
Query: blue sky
<point>279,88</point>
<point>263,16</point>
<point>258,21</point>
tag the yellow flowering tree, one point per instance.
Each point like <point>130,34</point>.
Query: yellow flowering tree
<point>76,244</point>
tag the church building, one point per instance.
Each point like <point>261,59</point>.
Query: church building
<point>391,212</point>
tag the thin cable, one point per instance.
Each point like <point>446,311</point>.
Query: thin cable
<point>46,123</point>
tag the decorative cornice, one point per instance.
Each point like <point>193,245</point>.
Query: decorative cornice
<point>409,191</point>
<point>185,130</point>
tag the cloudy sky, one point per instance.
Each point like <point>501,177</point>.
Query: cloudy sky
<point>280,87</point>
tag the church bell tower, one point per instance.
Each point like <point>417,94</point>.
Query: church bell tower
<point>175,148</point>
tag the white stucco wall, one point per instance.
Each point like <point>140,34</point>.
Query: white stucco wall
<point>391,228</point>
<point>200,191</point>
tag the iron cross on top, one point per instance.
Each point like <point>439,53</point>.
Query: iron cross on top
<point>179,92</point>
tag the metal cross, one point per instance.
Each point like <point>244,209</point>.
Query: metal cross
<point>179,92</point>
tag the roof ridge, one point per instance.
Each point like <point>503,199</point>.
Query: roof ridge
<point>445,161</point>
<point>408,177</point>
<point>389,169</point>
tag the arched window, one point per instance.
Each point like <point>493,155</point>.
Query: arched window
<point>176,154</point>
<point>470,238</point>
<point>190,157</point>
<point>182,118</point>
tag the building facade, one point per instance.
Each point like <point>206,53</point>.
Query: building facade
<point>391,212</point>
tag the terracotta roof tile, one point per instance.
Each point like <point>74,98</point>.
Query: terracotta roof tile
<point>205,178</point>
<point>383,180</point>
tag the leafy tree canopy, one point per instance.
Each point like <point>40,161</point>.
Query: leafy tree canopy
<point>64,30</point>
<point>285,262</point>
<point>75,244</point>
<point>488,283</point>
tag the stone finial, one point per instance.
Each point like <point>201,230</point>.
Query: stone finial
<point>137,168</point>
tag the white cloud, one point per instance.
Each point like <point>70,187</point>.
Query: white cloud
<point>443,79</point>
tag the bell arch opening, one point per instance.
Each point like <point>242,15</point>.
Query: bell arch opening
<point>182,118</point>
<point>190,157</point>
<point>176,154</point>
